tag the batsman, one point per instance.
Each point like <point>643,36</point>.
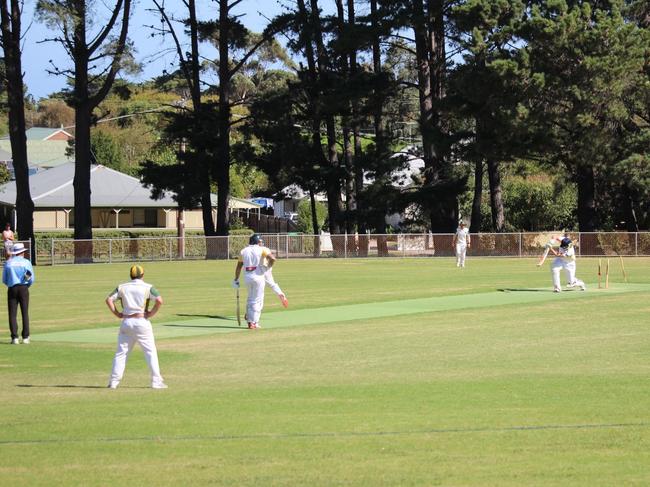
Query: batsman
<point>255,260</point>
<point>565,258</point>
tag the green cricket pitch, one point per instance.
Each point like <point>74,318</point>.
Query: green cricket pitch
<point>382,372</point>
<point>333,314</point>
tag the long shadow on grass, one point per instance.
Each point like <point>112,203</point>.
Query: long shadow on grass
<point>62,386</point>
<point>524,289</point>
<point>214,317</point>
<point>204,326</point>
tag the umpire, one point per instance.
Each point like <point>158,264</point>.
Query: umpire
<point>18,275</point>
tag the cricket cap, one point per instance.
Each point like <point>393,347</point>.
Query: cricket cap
<point>255,239</point>
<point>136,272</point>
<point>565,242</point>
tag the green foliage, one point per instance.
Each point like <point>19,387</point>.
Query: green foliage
<point>535,204</point>
<point>105,150</point>
<point>305,222</point>
<point>5,176</point>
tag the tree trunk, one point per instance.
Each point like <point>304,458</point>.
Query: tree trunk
<point>496,196</point>
<point>362,225</point>
<point>631,221</point>
<point>223,164</point>
<point>587,216</point>
<point>334,202</point>
<point>314,221</point>
<point>475,224</point>
<point>11,35</point>
<point>440,202</point>
<point>83,120</point>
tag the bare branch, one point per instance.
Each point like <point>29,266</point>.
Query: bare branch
<point>117,59</point>
<point>103,34</point>
<point>234,4</point>
<point>179,49</point>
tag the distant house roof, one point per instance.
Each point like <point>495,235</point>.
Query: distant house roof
<point>109,189</point>
<point>44,153</point>
<point>45,133</point>
<point>295,192</point>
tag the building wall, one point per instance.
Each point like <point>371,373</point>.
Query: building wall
<point>105,218</point>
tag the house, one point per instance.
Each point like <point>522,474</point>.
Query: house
<point>46,148</point>
<point>117,199</point>
<point>286,201</point>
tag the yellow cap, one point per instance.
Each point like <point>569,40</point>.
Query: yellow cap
<point>137,272</point>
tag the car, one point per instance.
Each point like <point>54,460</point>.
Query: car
<point>291,215</point>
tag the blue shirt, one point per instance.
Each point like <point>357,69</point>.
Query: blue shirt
<point>18,270</point>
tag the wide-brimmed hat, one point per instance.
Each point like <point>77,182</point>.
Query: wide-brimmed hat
<point>18,248</point>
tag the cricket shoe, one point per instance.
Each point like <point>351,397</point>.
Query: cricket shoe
<point>112,385</point>
<point>15,341</point>
<point>284,300</point>
<point>557,290</point>
<point>26,341</point>
<point>160,385</point>
<point>570,285</point>
<point>253,326</point>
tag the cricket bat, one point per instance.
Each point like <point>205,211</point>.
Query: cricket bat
<point>238,310</point>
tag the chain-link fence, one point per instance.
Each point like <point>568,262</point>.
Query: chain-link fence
<point>286,246</point>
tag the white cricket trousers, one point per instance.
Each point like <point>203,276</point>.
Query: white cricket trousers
<point>268,279</point>
<point>569,267</point>
<point>255,302</point>
<point>461,250</point>
<point>134,330</point>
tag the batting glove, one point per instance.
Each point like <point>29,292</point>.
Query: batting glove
<point>235,283</point>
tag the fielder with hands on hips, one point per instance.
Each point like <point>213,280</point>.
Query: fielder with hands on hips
<point>461,243</point>
<point>135,327</point>
<point>18,276</point>
<point>565,258</point>
<point>251,261</point>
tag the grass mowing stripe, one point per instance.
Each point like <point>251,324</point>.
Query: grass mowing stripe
<point>345,434</point>
<point>351,312</point>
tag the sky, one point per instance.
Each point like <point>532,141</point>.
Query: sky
<point>150,51</point>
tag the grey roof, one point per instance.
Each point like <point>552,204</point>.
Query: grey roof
<point>109,189</point>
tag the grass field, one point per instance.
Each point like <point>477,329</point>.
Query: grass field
<point>382,372</point>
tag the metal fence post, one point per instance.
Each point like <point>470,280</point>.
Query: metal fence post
<point>227,247</point>
<point>636,244</point>
<point>110,250</point>
<point>52,250</point>
<point>170,247</point>
<point>345,246</point>
<point>579,243</point>
<point>286,244</point>
<point>521,238</point>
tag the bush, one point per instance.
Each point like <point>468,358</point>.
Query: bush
<point>305,224</point>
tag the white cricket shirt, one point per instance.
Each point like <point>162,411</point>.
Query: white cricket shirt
<point>134,295</point>
<point>461,235</point>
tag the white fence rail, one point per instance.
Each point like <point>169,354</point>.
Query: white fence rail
<point>69,251</point>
